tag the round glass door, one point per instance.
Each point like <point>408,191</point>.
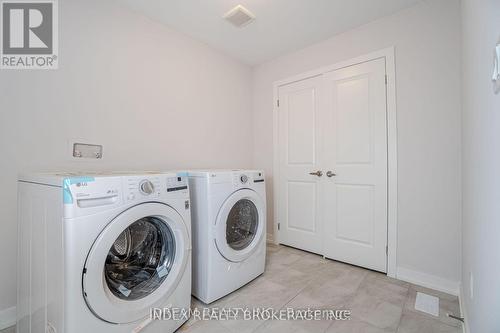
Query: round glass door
<point>140,259</point>
<point>242,224</point>
<point>136,263</point>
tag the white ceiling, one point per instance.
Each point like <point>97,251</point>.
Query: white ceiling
<point>281,26</point>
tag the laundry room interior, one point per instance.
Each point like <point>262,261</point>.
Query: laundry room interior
<point>250,166</point>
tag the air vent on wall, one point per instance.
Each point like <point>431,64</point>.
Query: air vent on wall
<point>239,16</point>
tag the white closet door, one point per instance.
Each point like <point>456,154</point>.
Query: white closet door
<point>354,203</point>
<point>299,192</point>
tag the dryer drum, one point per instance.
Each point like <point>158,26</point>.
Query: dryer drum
<point>140,259</point>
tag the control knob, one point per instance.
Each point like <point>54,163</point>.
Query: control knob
<point>146,187</point>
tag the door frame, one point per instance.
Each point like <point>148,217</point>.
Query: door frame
<point>392,147</point>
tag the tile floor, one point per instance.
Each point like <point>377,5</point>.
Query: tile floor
<point>297,279</point>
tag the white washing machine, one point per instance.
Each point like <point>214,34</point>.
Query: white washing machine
<point>98,252</point>
<point>229,230</point>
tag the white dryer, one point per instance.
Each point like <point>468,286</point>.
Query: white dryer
<point>98,252</point>
<point>229,230</point>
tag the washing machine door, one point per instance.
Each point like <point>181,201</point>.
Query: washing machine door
<point>240,225</point>
<point>136,263</point>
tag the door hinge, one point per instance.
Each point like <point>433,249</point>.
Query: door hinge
<point>386,79</point>
<point>278,103</point>
<point>278,226</point>
<point>386,249</point>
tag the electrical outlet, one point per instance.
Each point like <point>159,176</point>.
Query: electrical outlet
<point>79,149</point>
<point>471,285</point>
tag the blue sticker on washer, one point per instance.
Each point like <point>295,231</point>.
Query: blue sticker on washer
<point>67,182</point>
<point>182,174</point>
<point>67,198</point>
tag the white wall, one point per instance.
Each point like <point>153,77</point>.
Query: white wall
<point>427,44</point>
<point>481,167</point>
<point>154,98</point>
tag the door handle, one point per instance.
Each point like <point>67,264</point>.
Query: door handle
<point>318,173</point>
<point>330,174</point>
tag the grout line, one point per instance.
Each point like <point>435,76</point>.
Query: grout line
<point>282,306</point>
<point>403,307</point>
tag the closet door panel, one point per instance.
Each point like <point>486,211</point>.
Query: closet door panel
<point>355,150</point>
<point>299,192</point>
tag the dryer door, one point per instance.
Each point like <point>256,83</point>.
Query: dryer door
<point>136,263</point>
<point>241,225</point>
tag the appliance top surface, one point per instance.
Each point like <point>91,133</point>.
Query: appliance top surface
<point>56,178</point>
<point>206,172</point>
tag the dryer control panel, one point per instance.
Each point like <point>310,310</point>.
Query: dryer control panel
<point>247,178</point>
<point>258,177</point>
<point>240,178</point>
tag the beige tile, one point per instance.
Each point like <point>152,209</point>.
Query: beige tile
<point>290,278</point>
<point>447,304</point>
<point>333,289</point>
<point>342,273</point>
<point>272,268</point>
<point>242,326</point>
<point>375,311</point>
<point>306,299</point>
<point>203,326</point>
<point>284,256</point>
<point>310,264</point>
<point>416,323</point>
<point>383,288</point>
<point>355,326</point>
<point>294,326</point>
<point>264,293</point>
<point>334,269</point>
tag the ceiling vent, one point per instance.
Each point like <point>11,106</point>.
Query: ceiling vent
<point>239,16</point>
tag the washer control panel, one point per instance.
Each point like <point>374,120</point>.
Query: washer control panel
<point>142,187</point>
<point>244,179</point>
<point>89,192</point>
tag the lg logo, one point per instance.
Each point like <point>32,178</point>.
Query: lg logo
<point>29,28</point>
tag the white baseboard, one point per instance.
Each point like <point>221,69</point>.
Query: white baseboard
<point>428,281</point>
<point>7,317</point>
<point>463,309</point>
